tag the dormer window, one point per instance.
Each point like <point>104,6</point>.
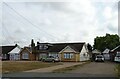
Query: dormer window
<point>45,47</point>
<point>40,47</point>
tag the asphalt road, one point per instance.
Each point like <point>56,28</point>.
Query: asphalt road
<point>91,70</point>
<point>97,69</point>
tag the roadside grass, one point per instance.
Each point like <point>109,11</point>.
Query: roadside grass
<point>0,67</point>
<point>19,66</point>
<point>67,69</point>
<point>118,70</point>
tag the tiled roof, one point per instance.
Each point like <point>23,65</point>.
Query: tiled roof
<point>116,49</point>
<point>57,47</point>
<point>106,51</point>
<point>28,48</point>
<point>96,51</point>
<point>6,49</point>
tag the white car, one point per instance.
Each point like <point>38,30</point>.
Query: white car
<point>117,57</point>
<point>50,59</point>
<point>99,58</point>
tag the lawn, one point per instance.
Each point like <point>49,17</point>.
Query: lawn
<point>18,66</point>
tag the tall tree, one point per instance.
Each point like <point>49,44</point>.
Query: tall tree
<point>32,45</point>
<point>108,41</point>
<point>89,47</point>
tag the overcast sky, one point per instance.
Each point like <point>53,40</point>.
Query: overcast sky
<point>57,21</point>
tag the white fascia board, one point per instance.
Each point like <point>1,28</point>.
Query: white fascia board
<point>66,48</point>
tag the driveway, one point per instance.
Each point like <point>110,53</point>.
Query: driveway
<point>50,69</point>
<point>97,69</point>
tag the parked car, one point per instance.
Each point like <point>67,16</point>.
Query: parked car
<point>117,57</point>
<point>99,58</point>
<point>50,59</point>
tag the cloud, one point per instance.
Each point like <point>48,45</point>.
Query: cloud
<point>107,12</point>
<point>111,19</point>
<point>60,21</point>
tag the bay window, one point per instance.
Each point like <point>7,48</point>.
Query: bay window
<point>68,55</point>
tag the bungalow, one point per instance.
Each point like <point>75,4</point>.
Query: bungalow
<point>113,52</point>
<point>65,51</point>
<point>4,50</point>
<point>94,53</point>
<point>106,54</point>
<point>15,53</point>
<point>27,54</point>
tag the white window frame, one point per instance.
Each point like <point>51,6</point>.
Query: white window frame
<point>40,47</point>
<point>25,55</point>
<point>45,46</point>
<point>118,52</point>
<point>68,55</point>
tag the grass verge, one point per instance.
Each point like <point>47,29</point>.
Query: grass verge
<point>66,69</point>
<point>118,70</point>
<point>18,66</point>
